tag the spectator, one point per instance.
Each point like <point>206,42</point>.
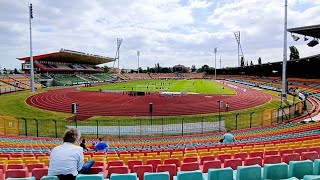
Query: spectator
<point>67,159</point>
<point>92,146</point>
<point>227,107</point>
<point>83,145</point>
<point>228,137</point>
<point>101,146</point>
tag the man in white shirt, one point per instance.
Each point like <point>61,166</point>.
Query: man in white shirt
<point>66,160</point>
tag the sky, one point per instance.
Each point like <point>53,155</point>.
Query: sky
<point>169,32</point>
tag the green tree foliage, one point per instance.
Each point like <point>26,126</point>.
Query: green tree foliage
<point>193,68</point>
<point>259,61</point>
<point>242,61</point>
<point>251,63</point>
<point>106,69</point>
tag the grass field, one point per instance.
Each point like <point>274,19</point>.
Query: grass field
<point>191,86</point>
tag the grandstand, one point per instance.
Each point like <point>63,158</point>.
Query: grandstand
<point>68,67</point>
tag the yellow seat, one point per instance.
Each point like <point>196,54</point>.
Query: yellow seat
<point>245,150</point>
<point>152,154</point>
<point>145,158</point>
<point>178,156</point>
<point>217,153</point>
<point>191,155</point>
<point>98,158</point>
<point>258,146</point>
<point>232,152</point>
<point>165,153</point>
<point>15,162</point>
<point>123,156</point>
<point>205,154</point>
<point>236,148</point>
<point>225,149</point>
<point>31,161</point>
<point>177,152</point>
<point>112,158</point>
<point>190,151</point>
<point>28,158</point>
<point>45,161</point>
<point>202,150</point>
<point>3,161</point>
<point>270,148</point>
<point>126,159</point>
<point>162,157</point>
<point>138,155</point>
<point>112,155</point>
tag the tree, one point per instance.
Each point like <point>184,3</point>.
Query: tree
<point>15,71</point>
<point>242,62</point>
<point>294,53</point>
<point>259,61</point>
<point>4,71</point>
<point>193,68</point>
<point>247,63</point>
<point>106,69</point>
<point>184,70</point>
<point>251,63</point>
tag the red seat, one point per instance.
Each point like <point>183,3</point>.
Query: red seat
<point>1,174</point>
<point>141,169</point>
<point>171,168</point>
<point>8,156</point>
<point>38,173</point>
<point>88,153</point>
<point>16,173</point>
<point>252,161</point>
<point>115,163</point>
<point>30,167</point>
<point>241,155</point>
<point>154,163</point>
<point>99,153</point>
<point>271,152</point>
<point>118,170</point>
<point>214,164</point>
<point>190,159</point>
<point>98,164</point>
<point>272,159</point>
<point>191,166</point>
<point>15,166</point>
<point>256,154</point>
<point>300,150</point>
<point>3,167</point>
<point>131,163</point>
<point>285,151</point>
<point>233,163</point>
<point>175,161</point>
<point>290,157</point>
<point>317,149</point>
<point>206,158</point>
<point>222,157</point>
<point>309,155</point>
<point>16,155</point>
<point>96,170</point>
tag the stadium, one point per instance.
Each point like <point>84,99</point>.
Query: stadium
<point>164,125</point>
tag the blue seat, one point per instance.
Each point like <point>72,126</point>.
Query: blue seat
<point>275,171</point>
<point>157,176</point>
<point>90,177</point>
<point>316,167</point>
<point>220,174</point>
<point>130,176</point>
<point>189,175</point>
<point>299,169</point>
<point>311,177</point>
<point>249,172</point>
<point>49,178</point>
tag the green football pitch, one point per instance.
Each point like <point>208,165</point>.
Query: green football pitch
<point>189,86</point>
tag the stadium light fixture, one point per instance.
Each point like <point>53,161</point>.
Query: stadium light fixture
<point>294,37</point>
<point>313,43</point>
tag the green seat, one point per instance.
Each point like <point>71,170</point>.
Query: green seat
<point>157,176</point>
<point>188,175</point>
<point>90,177</point>
<point>311,177</point>
<point>130,176</point>
<point>220,174</point>
<point>299,169</point>
<point>316,167</point>
<point>27,178</point>
<point>275,171</point>
<point>249,172</point>
<point>49,178</point>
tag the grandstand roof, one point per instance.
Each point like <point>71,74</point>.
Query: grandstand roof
<point>70,56</point>
<point>312,31</point>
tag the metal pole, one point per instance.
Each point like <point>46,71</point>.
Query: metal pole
<point>97,129</point>
<point>237,121</point>
<point>219,104</point>
<point>162,126</point>
<point>31,57</point>
<point>251,119</point>
<point>37,127</point>
<point>182,126</point>
<point>215,63</point>
<point>285,45</point>
<point>25,126</point>
<point>119,128</point>
<point>138,54</point>
<point>202,125</point>
<point>55,127</point>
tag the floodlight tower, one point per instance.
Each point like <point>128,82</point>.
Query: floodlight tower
<point>215,63</point>
<point>119,41</point>
<point>31,57</point>
<point>238,39</point>
<point>285,52</point>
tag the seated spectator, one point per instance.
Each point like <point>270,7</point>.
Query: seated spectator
<point>228,137</point>
<point>83,145</point>
<point>67,159</point>
<point>101,146</point>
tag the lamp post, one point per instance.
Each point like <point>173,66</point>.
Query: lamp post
<point>285,45</point>
<point>215,63</point>
<point>237,120</point>
<point>138,54</point>
<point>150,110</point>
<point>31,57</point>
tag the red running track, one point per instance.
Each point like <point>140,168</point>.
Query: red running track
<point>116,104</point>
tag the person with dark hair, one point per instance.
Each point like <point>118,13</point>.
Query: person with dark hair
<point>83,145</point>
<point>228,138</point>
<point>101,146</point>
<point>66,160</point>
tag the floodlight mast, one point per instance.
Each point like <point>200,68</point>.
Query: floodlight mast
<point>285,51</point>
<point>31,57</point>
<point>237,35</point>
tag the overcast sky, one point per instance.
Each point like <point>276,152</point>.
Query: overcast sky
<point>166,31</point>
